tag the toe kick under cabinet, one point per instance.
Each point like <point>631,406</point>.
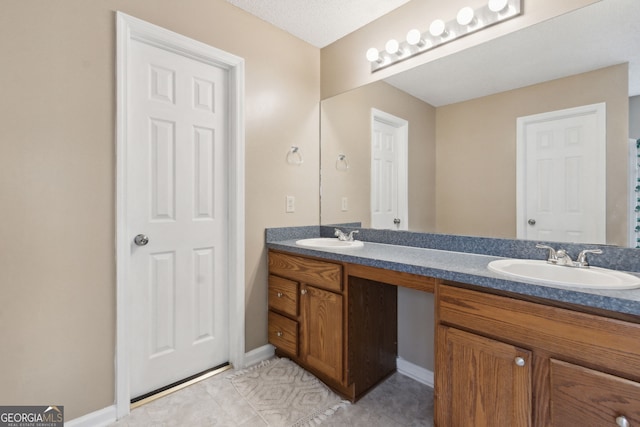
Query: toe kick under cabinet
<point>502,361</point>
<point>330,328</point>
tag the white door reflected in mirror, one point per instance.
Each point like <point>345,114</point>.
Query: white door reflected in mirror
<point>561,175</point>
<point>389,182</point>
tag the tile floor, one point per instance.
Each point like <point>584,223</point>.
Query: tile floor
<point>399,401</point>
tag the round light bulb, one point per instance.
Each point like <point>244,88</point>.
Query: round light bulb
<point>373,55</point>
<point>465,16</point>
<point>497,5</point>
<point>392,46</point>
<point>437,28</point>
<point>414,37</point>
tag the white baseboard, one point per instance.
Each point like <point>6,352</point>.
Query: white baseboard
<point>100,418</point>
<point>257,355</point>
<point>106,416</point>
<point>415,372</point>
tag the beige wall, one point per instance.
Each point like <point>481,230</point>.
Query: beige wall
<point>476,152</point>
<point>57,179</point>
<point>346,129</point>
<point>345,67</point>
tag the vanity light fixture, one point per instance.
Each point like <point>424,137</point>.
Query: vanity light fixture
<point>393,47</point>
<point>468,20</point>
<point>374,56</point>
<point>498,6</point>
<point>438,28</point>
<point>466,16</point>
<point>414,38</point>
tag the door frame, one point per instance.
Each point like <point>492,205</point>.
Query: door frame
<point>402,156</point>
<point>599,110</point>
<point>129,29</point>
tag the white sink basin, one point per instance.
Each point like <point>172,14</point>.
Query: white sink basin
<point>329,243</point>
<point>541,271</point>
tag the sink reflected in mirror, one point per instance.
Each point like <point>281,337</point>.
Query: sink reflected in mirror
<point>545,273</point>
<point>329,243</point>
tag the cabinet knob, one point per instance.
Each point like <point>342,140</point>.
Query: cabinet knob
<point>622,421</point>
<point>520,361</point>
<point>279,294</point>
<point>303,291</point>
<point>279,333</point>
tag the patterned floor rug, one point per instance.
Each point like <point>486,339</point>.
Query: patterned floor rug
<point>285,395</point>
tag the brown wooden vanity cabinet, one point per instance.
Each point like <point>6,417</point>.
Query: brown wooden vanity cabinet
<point>344,333</point>
<point>306,312</point>
<point>504,361</point>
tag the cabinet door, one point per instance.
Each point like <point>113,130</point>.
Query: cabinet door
<point>481,382</point>
<point>322,331</point>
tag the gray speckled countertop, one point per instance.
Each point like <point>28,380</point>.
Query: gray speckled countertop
<point>467,268</point>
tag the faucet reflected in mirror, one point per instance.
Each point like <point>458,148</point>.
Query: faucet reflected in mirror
<point>345,237</point>
<point>462,156</point>
<point>561,257</point>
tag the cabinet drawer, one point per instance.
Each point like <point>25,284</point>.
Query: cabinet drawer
<point>283,295</point>
<point>322,274</point>
<point>584,397</point>
<point>283,333</point>
<point>608,344</point>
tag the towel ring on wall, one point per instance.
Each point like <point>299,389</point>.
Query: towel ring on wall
<point>342,164</point>
<point>294,156</point>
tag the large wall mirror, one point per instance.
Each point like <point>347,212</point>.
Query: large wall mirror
<point>461,116</point>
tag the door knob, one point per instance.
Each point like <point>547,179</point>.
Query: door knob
<point>141,240</point>
<point>532,221</point>
<point>396,221</point>
<point>520,361</point>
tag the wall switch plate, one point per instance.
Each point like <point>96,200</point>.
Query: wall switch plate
<point>291,204</point>
<point>345,204</point>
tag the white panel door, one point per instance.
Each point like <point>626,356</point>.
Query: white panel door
<point>564,179</point>
<point>177,128</point>
<point>388,172</point>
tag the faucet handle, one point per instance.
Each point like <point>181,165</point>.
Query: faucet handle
<point>553,256</point>
<point>582,256</point>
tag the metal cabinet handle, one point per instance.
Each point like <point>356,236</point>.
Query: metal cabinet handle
<point>519,361</point>
<point>279,333</point>
<point>303,291</point>
<point>279,294</point>
<point>396,221</point>
<point>622,421</point>
<point>141,240</point>
<point>531,222</point>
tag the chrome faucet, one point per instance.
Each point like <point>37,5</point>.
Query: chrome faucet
<point>581,261</point>
<point>344,236</point>
<point>561,257</point>
<point>553,256</point>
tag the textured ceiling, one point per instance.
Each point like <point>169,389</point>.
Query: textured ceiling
<point>318,22</point>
